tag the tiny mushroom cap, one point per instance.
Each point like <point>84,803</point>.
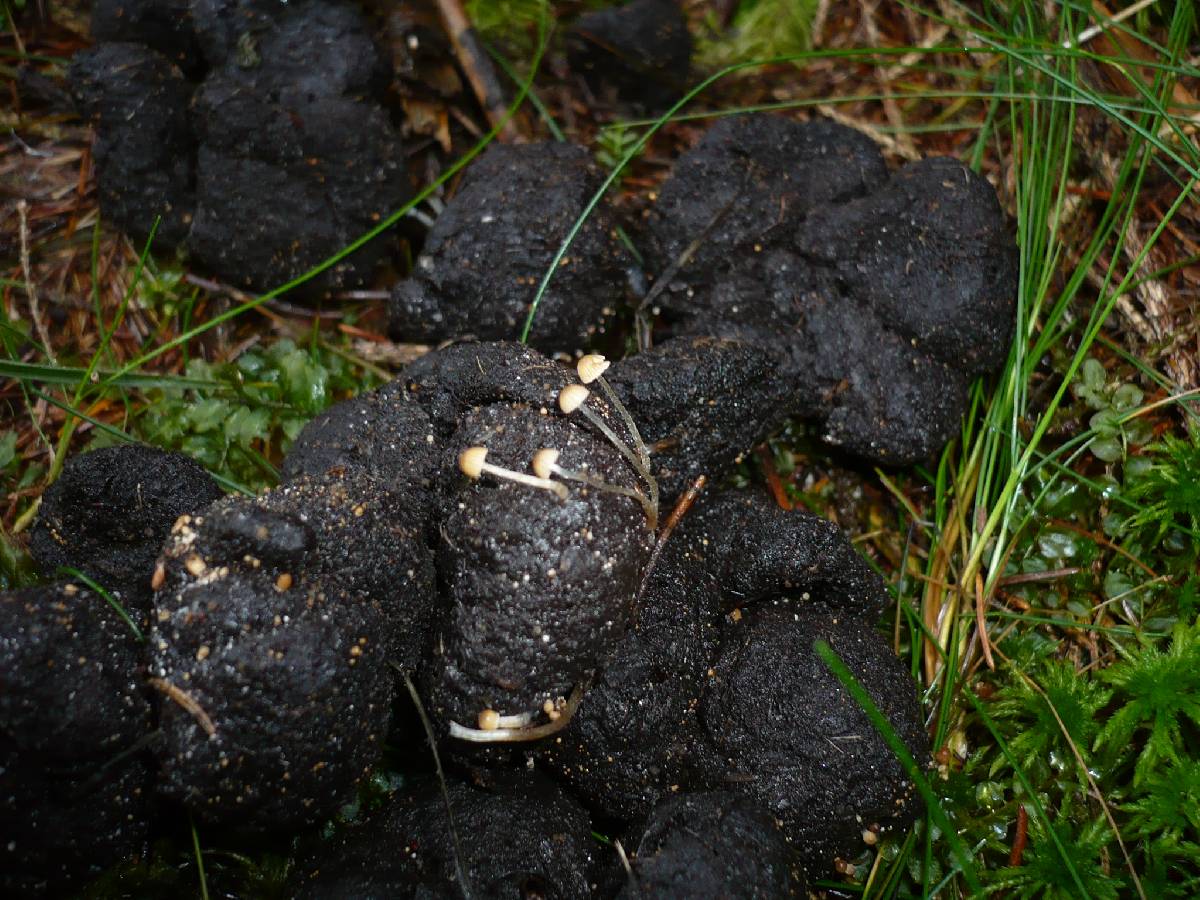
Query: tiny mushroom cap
<point>489,720</point>
<point>591,367</point>
<point>471,461</point>
<point>544,462</point>
<point>572,397</point>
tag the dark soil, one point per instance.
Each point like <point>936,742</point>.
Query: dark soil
<point>631,741</point>
<point>534,590</point>
<point>144,148</point>
<point>71,673</point>
<point>274,153</point>
<point>882,296</point>
<point>749,179</point>
<point>278,618</point>
<point>61,826</point>
<point>519,837</point>
<point>331,576</point>
<point>756,551</point>
<point>74,792</point>
<point>297,689</point>
<point>487,252</point>
<point>165,25</point>
<point>639,734</point>
<point>110,511</point>
<point>538,589</point>
<point>637,54</point>
<point>457,378</point>
<point>710,846</point>
<point>779,727</point>
<point>370,540</point>
<point>701,403</point>
<point>378,431</point>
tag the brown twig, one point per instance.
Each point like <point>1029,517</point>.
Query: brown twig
<point>981,621</point>
<point>681,507</point>
<point>186,702</point>
<point>477,65</point>
<point>774,482</point>
<point>1020,839</point>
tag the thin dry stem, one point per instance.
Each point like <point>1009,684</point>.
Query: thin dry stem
<point>639,446</point>
<point>1092,31</point>
<point>939,604</point>
<point>981,621</point>
<point>681,509</point>
<point>186,702</point>
<point>477,65</point>
<point>35,311</point>
<point>437,761</point>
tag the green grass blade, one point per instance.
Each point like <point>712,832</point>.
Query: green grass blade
<point>48,374</point>
<point>103,592</point>
<point>914,771</point>
<point>199,858</point>
<point>1030,791</point>
<point>228,483</point>
<point>106,333</point>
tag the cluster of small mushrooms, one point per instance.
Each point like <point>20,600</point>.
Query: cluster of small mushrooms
<point>502,552</point>
<point>485,525</point>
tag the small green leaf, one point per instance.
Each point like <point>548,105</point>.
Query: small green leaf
<point>8,448</point>
<point>1092,374</point>
<point>1107,422</point>
<point>1126,397</point>
<point>1116,584</point>
<point>1108,449</point>
<point>32,475</point>
<point>207,415</point>
<point>1138,432</point>
<point>246,425</point>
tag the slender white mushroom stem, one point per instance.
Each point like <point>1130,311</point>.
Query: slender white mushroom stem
<point>573,398</point>
<point>490,720</point>
<point>545,464</point>
<point>518,721</point>
<point>592,368</point>
<point>473,463</point>
<point>638,444</point>
<point>502,735</point>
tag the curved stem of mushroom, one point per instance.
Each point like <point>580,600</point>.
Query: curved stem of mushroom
<point>515,735</point>
<point>638,444</point>
<point>649,504</point>
<point>518,721</point>
<point>634,460</point>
